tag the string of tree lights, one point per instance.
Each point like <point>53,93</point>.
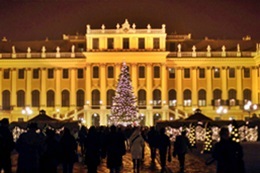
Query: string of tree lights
<point>208,142</point>
<point>124,110</point>
<point>192,136</point>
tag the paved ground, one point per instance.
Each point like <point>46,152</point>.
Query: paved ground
<point>195,162</point>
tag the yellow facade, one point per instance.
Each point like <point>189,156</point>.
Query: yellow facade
<point>180,75</point>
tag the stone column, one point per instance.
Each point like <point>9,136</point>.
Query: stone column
<point>43,98</point>
<point>149,83</point>
<point>179,87</point>
<point>58,88</point>
<point>88,84</point>
<point>73,88</point>
<point>254,85</point>
<point>103,78</point>
<point>224,83</point>
<point>194,87</point>
<point>134,78</point>
<point>164,83</point>
<point>1,87</point>
<point>209,85</point>
<point>28,87</point>
<point>239,83</point>
<point>14,83</point>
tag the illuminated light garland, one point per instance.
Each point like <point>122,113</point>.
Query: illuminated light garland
<point>208,142</point>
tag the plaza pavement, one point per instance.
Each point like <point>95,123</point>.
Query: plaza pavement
<point>195,162</point>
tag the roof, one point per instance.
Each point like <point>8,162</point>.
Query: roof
<point>198,116</point>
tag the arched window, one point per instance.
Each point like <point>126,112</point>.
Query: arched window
<point>6,100</point>
<point>217,97</point>
<point>110,95</point>
<point>80,98</point>
<point>65,98</point>
<point>187,97</point>
<point>247,95</point>
<point>50,98</point>
<point>156,97</point>
<point>35,98</point>
<point>20,98</point>
<point>202,97</point>
<point>172,97</point>
<point>95,99</point>
<point>141,97</point>
<point>232,97</point>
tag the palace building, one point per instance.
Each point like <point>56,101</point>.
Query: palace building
<point>172,75</point>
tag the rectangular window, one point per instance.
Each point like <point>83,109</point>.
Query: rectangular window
<point>202,73</point>
<point>65,73</point>
<point>187,103</point>
<point>125,43</point>
<point>80,73</point>
<point>246,72</point>
<point>50,73</point>
<point>216,73</point>
<point>156,72</point>
<point>110,73</point>
<point>231,72</point>
<point>95,43</point>
<point>141,72</point>
<point>21,74</point>
<point>156,43</point>
<point>36,73</point>
<point>202,102</point>
<point>141,43</point>
<point>95,72</point>
<point>186,73</point>
<point>171,73</point>
<point>110,43</point>
<point>6,73</point>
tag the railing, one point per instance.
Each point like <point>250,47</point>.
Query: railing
<point>41,55</point>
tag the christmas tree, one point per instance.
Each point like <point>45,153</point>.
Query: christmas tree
<point>124,110</point>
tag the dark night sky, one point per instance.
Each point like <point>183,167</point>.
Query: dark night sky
<point>218,19</point>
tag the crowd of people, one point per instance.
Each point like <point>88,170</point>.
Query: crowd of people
<point>44,151</point>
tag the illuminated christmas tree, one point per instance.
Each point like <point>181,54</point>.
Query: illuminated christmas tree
<point>192,136</point>
<point>124,110</point>
<point>234,133</point>
<point>208,143</point>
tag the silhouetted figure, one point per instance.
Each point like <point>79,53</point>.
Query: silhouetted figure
<point>136,147</point>
<point>164,146</point>
<point>229,154</point>
<point>181,146</point>
<point>50,157</point>
<point>92,150</point>
<point>151,139</point>
<point>6,146</point>
<point>68,146</point>
<point>30,148</point>
<point>115,149</point>
<point>82,135</point>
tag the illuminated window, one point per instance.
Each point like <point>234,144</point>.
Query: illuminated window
<point>171,73</point>
<point>202,98</point>
<point>187,98</point>
<point>216,73</point>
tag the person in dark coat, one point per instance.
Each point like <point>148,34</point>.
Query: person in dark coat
<point>115,149</point>
<point>164,146</point>
<point>68,146</point>
<point>151,139</point>
<point>6,146</point>
<point>30,148</point>
<point>228,154</point>
<point>50,157</point>
<point>92,150</point>
<point>181,146</point>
